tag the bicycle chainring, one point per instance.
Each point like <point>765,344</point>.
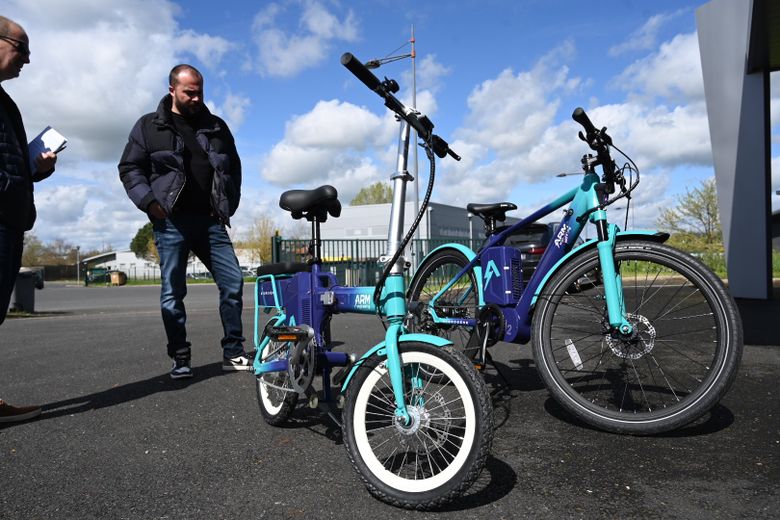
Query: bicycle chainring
<point>301,365</point>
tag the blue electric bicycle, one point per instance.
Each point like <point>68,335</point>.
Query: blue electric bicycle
<point>417,418</point>
<point>629,334</point>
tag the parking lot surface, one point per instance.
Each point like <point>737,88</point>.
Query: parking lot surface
<point>119,439</point>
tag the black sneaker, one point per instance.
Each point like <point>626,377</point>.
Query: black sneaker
<point>181,368</point>
<point>240,362</point>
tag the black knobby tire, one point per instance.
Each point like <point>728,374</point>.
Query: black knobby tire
<point>460,301</point>
<point>680,363</point>
<point>441,455</point>
<point>275,396</point>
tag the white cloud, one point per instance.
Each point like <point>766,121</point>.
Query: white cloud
<point>673,72</point>
<point>288,164</point>
<point>208,49</point>
<point>80,213</point>
<point>63,204</point>
<point>511,138</point>
<point>232,110</point>
<point>335,124</point>
<point>95,68</point>
<point>646,36</point>
<point>93,71</point>
<point>286,52</point>
<point>430,73</point>
<point>509,113</point>
<point>333,143</point>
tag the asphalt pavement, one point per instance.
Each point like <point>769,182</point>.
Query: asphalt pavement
<point>119,439</point>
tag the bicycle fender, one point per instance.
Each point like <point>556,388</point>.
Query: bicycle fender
<point>635,234</point>
<point>469,254</point>
<point>378,350</point>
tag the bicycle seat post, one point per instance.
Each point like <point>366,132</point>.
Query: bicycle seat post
<point>316,240</point>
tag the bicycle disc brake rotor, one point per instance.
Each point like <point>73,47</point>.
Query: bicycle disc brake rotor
<point>641,342</point>
<point>300,365</point>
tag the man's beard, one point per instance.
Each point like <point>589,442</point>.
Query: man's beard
<point>187,110</point>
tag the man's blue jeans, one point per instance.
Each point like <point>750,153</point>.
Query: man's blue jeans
<point>175,237</point>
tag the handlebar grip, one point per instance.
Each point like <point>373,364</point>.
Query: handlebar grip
<point>356,67</point>
<point>581,117</point>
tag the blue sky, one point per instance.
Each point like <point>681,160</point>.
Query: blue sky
<point>498,78</point>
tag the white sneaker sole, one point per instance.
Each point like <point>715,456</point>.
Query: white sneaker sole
<point>236,368</point>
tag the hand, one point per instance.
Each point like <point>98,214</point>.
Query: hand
<point>45,162</point>
<point>157,211</point>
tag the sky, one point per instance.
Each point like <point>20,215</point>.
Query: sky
<point>499,79</point>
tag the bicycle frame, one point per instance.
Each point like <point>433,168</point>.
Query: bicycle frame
<point>312,297</point>
<point>583,205</point>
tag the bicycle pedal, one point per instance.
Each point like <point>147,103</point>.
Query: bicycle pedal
<point>314,401</point>
<point>287,333</point>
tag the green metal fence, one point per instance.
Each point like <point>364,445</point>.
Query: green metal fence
<point>354,262</point>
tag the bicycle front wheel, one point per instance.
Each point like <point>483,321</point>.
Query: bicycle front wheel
<point>459,301</point>
<point>441,452</point>
<point>678,363</point>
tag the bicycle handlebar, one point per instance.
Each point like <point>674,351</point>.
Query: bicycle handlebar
<point>599,141</point>
<point>419,122</point>
<point>582,118</point>
<point>356,67</point>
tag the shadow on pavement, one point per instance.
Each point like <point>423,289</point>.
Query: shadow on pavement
<point>496,481</point>
<point>124,393</point>
<point>717,419</point>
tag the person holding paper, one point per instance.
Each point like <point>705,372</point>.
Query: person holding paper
<point>17,208</point>
<point>180,167</point>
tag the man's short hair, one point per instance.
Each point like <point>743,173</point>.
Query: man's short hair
<point>173,77</point>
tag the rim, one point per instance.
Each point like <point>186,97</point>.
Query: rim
<point>435,448</point>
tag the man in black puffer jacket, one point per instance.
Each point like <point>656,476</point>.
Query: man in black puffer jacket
<point>181,167</point>
<point>17,209</point>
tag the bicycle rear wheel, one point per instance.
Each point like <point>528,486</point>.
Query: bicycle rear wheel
<point>459,301</point>
<point>275,394</point>
<point>680,361</point>
<point>442,451</point>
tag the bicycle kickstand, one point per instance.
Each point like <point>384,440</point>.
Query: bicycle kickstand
<point>485,357</point>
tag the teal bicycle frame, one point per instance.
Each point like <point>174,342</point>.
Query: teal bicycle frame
<point>313,297</point>
<point>584,204</point>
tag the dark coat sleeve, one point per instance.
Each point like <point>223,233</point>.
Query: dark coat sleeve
<point>235,169</point>
<point>134,168</point>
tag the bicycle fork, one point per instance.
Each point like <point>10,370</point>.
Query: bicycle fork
<point>613,284</point>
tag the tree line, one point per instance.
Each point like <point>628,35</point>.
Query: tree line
<point>56,252</point>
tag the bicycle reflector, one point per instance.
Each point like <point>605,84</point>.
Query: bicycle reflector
<point>290,333</point>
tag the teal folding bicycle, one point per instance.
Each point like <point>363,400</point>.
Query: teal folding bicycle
<point>629,334</point>
<point>417,418</point>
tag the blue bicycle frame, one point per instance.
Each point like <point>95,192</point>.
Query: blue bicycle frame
<point>310,297</point>
<point>493,261</point>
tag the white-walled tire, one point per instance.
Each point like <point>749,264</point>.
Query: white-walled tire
<point>437,457</point>
<point>275,395</point>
